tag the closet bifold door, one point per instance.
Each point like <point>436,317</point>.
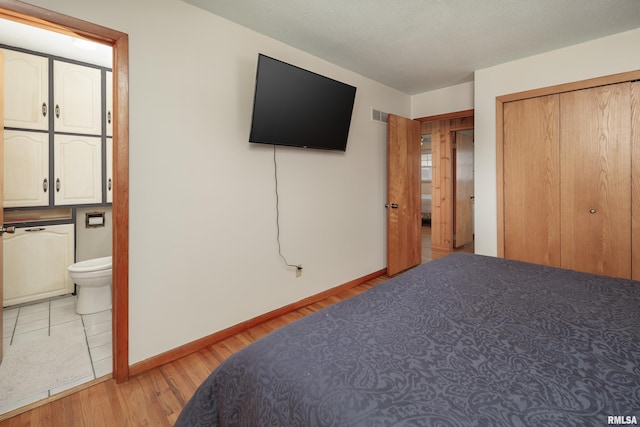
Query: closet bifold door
<point>531,180</point>
<point>595,153</point>
<point>635,185</point>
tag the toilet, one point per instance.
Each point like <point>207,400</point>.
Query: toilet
<point>93,279</point>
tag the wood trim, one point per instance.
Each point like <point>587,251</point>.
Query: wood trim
<point>120,209</point>
<point>42,18</point>
<point>448,116</point>
<point>635,180</point>
<point>500,173</point>
<point>442,186</point>
<point>568,87</point>
<point>195,346</point>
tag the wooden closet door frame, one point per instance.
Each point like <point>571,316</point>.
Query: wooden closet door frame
<point>551,90</point>
<point>53,21</point>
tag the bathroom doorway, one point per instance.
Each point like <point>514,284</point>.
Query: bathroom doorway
<point>119,42</point>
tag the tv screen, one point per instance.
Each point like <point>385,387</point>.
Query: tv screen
<point>299,108</point>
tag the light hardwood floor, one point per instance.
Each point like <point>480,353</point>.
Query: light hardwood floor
<point>156,397</point>
<point>429,254</point>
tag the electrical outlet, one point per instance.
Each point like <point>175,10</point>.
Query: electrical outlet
<point>298,270</point>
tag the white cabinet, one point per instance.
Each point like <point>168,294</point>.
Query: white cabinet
<point>26,168</point>
<point>77,170</point>
<point>109,174</point>
<point>26,90</point>
<point>109,103</point>
<point>77,91</point>
<point>35,262</point>
<point>72,145</point>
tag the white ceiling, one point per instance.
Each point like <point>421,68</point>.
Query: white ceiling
<point>421,45</point>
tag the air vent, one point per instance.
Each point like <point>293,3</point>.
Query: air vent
<point>379,116</point>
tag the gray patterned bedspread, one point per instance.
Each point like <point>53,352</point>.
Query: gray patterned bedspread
<point>466,340</point>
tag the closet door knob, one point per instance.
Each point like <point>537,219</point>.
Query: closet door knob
<point>592,211</point>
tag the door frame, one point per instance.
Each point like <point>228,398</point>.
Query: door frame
<point>38,17</point>
<point>440,127</point>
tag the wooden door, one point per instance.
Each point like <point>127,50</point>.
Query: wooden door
<point>404,238</point>
<point>531,180</point>
<point>595,152</point>
<point>463,232</point>
<point>635,179</point>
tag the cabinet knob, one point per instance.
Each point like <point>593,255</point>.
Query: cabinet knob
<point>10,230</point>
<point>592,211</point>
<point>109,185</point>
<point>57,111</point>
<point>57,185</point>
<point>109,117</point>
<point>44,109</point>
<point>45,185</point>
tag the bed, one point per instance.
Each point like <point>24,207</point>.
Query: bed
<point>464,340</point>
<point>426,207</point>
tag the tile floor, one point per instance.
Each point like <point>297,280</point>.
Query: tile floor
<point>41,319</point>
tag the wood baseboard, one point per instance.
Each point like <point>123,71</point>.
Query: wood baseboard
<point>194,346</point>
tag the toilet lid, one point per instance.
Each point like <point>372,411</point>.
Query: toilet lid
<point>95,264</point>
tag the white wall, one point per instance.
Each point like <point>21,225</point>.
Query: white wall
<point>447,100</point>
<point>601,57</point>
<point>203,252</point>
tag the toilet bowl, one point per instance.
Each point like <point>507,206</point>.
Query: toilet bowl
<point>93,279</point>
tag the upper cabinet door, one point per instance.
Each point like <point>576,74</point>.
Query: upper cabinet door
<point>26,93</point>
<point>26,168</point>
<point>77,90</point>
<point>77,169</point>
<point>109,103</point>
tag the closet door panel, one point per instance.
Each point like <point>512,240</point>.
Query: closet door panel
<point>595,154</point>
<point>635,170</point>
<point>532,180</point>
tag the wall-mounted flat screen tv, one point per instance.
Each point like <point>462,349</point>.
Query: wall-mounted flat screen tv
<point>299,108</point>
